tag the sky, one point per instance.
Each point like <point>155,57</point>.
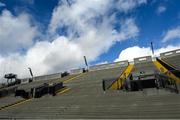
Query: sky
<point>51,36</point>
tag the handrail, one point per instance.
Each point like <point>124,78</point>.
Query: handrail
<point>170,68</point>
<point>167,80</point>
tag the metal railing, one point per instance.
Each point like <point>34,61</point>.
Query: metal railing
<point>166,82</point>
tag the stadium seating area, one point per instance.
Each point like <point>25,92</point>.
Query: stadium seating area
<point>9,100</point>
<point>84,97</point>
<point>172,58</point>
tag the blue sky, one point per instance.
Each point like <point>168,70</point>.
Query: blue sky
<point>55,34</point>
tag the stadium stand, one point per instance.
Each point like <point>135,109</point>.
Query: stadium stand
<point>144,64</point>
<point>40,82</point>
<point>89,83</point>
<point>112,82</point>
<point>39,88</point>
<point>142,76</point>
<point>146,75</point>
<point>170,68</point>
<point>84,98</point>
<point>9,100</point>
<point>172,58</point>
<point>7,91</point>
<point>108,66</point>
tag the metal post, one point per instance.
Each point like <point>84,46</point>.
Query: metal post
<point>30,72</point>
<point>176,88</point>
<point>103,86</point>
<point>152,48</point>
<point>86,62</point>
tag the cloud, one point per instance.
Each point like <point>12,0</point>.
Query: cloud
<point>136,51</point>
<point>172,34</point>
<point>133,52</point>
<point>128,29</point>
<point>16,32</point>
<point>81,13</point>
<point>88,30</point>
<point>88,24</point>
<point>60,54</point>
<point>2,4</point>
<point>44,57</point>
<point>161,9</point>
<point>128,5</point>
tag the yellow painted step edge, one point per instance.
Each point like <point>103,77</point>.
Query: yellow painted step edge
<point>116,85</point>
<point>70,79</point>
<point>15,104</point>
<point>162,69</point>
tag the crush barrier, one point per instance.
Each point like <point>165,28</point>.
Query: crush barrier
<point>55,88</point>
<point>8,91</point>
<point>108,66</point>
<point>40,91</point>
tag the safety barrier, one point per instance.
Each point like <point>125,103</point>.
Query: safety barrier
<point>64,74</point>
<point>160,66</point>
<point>109,65</point>
<point>7,91</point>
<point>169,68</point>
<point>23,94</point>
<point>55,88</point>
<point>152,79</point>
<point>142,59</point>
<point>139,81</point>
<point>118,84</point>
<point>39,91</point>
<point>170,53</point>
<point>47,77</point>
<point>106,83</point>
<point>76,71</point>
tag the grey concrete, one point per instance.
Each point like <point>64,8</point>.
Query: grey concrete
<point>170,53</point>
<point>147,66</point>
<point>47,77</point>
<point>9,100</point>
<point>86,99</point>
<point>28,86</point>
<point>142,59</point>
<point>173,61</point>
<point>43,77</point>
<point>109,65</point>
<point>76,71</point>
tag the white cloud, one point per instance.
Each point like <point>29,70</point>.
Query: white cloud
<point>62,54</point>
<point>94,34</point>
<point>44,57</point>
<point>81,13</point>
<point>167,48</point>
<point>90,32</point>
<point>161,9</point>
<point>128,5</point>
<point>172,34</point>
<point>2,4</point>
<point>136,51</point>
<point>133,52</point>
<point>16,33</point>
<point>128,29</point>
